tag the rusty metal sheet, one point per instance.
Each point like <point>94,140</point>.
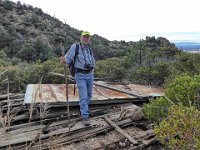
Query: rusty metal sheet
<point>57,93</point>
<point>36,93</point>
<point>142,89</point>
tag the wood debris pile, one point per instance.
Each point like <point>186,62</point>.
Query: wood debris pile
<point>113,126</point>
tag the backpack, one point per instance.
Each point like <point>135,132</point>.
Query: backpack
<point>71,65</point>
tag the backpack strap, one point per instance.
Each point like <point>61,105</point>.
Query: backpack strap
<point>90,51</point>
<point>76,52</point>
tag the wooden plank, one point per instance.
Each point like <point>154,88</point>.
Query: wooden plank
<point>145,143</point>
<point>19,95</point>
<point>149,141</point>
<point>12,100</point>
<point>58,116</point>
<point>19,138</point>
<point>78,136</point>
<point>101,102</point>
<point>7,139</point>
<point>54,117</point>
<point>67,138</point>
<point>121,131</point>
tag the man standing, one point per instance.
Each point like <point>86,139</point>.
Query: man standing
<point>84,72</point>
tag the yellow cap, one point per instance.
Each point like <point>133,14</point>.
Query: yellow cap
<point>85,33</point>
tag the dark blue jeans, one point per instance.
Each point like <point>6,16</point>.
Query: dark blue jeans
<point>85,85</point>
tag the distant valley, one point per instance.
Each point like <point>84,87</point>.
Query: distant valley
<point>188,46</point>
<point>186,41</point>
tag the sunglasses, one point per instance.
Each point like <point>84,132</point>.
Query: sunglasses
<point>86,37</point>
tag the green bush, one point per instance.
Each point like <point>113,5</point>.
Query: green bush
<point>8,5</point>
<point>110,67</point>
<point>23,74</point>
<point>186,62</point>
<point>37,71</point>
<point>181,129</point>
<point>156,110</point>
<point>13,75</point>
<point>184,89</point>
<point>154,74</point>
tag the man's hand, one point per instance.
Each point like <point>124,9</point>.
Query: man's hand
<point>62,60</point>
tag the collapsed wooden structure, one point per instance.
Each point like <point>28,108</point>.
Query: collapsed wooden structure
<point>44,125</point>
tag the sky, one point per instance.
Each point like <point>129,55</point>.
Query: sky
<point>129,20</point>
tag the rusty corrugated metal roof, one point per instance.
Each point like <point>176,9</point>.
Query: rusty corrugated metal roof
<point>36,93</point>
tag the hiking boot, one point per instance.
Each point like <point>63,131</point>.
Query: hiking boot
<point>86,122</point>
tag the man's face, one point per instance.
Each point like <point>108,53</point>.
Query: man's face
<point>85,39</point>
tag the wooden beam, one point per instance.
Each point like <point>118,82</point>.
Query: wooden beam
<point>120,130</point>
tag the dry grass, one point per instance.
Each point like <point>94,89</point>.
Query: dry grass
<point>39,110</point>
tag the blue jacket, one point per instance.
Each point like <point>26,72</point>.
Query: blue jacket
<point>85,56</point>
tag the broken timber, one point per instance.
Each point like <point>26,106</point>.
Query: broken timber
<point>24,132</point>
<point>30,134</point>
<point>121,131</point>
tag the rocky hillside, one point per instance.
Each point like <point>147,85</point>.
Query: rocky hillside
<point>29,33</point>
<point>24,27</point>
